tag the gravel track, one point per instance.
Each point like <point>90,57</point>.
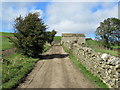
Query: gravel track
<point>56,70</point>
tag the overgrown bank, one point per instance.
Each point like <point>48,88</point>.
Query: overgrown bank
<point>16,67</point>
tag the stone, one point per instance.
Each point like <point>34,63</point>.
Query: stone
<point>105,56</point>
<point>118,62</point>
<point>117,67</point>
<point>118,70</point>
<point>113,72</point>
<point>115,76</point>
<point>111,67</point>
<point>112,83</point>
<point>119,75</point>
<point>107,81</point>
<point>93,55</point>
<point>116,83</point>
<point>109,71</point>
<point>114,61</point>
<point>100,62</point>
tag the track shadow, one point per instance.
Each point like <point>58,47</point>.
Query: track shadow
<point>52,56</point>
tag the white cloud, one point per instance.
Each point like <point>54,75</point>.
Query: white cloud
<point>85,0</point>
<point>12,10</point>
<point>64,17</point>
<point>25,0</point>
<point>78,17</point>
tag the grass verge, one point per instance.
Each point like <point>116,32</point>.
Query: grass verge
<point>15,68</point>
<point>87,73</point>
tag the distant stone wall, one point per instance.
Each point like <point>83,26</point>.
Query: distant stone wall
<point>79,40</point>
<point>106,67</point>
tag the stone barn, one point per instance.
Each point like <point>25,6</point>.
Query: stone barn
<point>73,37</point>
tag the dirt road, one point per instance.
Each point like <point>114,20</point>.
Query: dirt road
<point>56,71</point>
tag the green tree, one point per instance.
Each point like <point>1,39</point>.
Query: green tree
<point>30,34</point>
<point>108,32</point>
<point>50,36</point>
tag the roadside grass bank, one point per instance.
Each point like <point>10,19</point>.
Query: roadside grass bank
<point>88,74</point>
<point>98,47</point>
<point>16,67</point>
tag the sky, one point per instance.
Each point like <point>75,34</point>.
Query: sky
<point>65,16</point>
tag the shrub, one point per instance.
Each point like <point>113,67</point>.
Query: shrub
<point>30,33</point>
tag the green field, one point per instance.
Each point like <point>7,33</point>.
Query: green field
<point>6,34</point>
<point>57,38</point>
<point>5,42</point>
<point>97,46</point>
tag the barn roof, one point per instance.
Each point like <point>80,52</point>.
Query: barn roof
<point>73,34</point>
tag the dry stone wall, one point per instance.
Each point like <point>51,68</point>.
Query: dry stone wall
<point>106,67</point>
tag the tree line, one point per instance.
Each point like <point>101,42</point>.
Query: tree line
<point>109,32</point>
<point>31,35</point>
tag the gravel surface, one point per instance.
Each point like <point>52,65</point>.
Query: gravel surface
<point>56,70</point>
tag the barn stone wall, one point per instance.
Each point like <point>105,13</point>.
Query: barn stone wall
<point>79,40</point>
